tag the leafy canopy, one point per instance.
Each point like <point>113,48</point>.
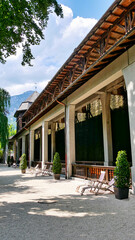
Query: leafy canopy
<point>4,104</point>
<point>21,25</point>
<point>11,130</point>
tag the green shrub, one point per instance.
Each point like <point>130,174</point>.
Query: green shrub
<point>1,154</point>
<point>23,162</point>
<point>56,164</point>
<point>122,170</point>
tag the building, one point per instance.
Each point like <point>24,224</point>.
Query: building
<point>97,80</point>
<point>24,106</point>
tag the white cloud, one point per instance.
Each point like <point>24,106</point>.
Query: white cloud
<point>21,88</point>
<point>61,37</point>
<point>68,15</point>
<point>79,26</point>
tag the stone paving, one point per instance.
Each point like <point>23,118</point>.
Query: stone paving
<point>36,208</point>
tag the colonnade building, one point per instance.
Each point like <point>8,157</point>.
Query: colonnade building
<point>87,110</point>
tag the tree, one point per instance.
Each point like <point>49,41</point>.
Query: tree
<point>4,104</point>
<point>11,130</point>
<point>21,25</point>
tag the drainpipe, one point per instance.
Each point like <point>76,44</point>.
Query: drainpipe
<point>66,170</point>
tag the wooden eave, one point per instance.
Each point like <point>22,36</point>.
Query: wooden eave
<point>112,35</point>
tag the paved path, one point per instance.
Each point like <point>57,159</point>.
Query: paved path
<point>36,208</point>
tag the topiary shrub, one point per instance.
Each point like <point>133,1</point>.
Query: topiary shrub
<point>23,162</point>
<point>56,164</point>
<point>122,171</point>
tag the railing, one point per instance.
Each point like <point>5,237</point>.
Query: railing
<point>90,162</point>
<point>92,171</point>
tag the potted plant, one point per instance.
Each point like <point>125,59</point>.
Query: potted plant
<point>23,163</point>
<point>56,166</point>
<point>121,176</point>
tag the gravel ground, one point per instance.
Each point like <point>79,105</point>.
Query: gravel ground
<point>36,208</point>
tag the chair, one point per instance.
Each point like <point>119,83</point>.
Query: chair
<point>95,184</point>
<point>32,170</point>
<point>86,183</point>
<point>50,173</point>
<point>47,171</point>
<point>91,181</point>
<point>44,170</point>
<point>38,170</point>
<point>107,186</point>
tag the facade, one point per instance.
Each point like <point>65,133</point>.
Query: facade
<point>101,70</point>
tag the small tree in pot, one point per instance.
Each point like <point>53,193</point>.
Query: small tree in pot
<point>56,166</point>
<point>23,163</point>
<point>121,176</point>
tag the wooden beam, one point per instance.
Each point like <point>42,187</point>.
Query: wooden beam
<point>122,34</point>
<point>121,7</point>
<point>109,22</point>
<point>114,14</point>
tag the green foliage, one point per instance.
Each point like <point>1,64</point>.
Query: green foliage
<point>4,104</point>
<point>1,154</point>
<point>23,162</point>
<point>4,101</point>
<point>11,130</point>
<point>21,25</point>
<point>56,164</point>
<point>122,170</point>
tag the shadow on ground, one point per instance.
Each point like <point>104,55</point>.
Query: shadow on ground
<point>67,217</point>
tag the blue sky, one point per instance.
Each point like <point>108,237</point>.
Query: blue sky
<point>61,37</point>
<point>88,8</point>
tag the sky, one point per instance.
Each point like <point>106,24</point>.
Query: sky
<point>62,36</point>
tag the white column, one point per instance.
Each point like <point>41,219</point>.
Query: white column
<point>129,76</point>
<point>53,143</point>
<point>23,144</point>
<point>18,149</point>
<point>31,146</point>
<point>6,154</point>
<point>107,130</point>
<point>70,138</point>
<point>14,150</point>
<point>44,143</point>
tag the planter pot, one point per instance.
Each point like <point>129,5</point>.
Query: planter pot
<point>56,176</point>
<point>121,193</point>
<point>23,170</point>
